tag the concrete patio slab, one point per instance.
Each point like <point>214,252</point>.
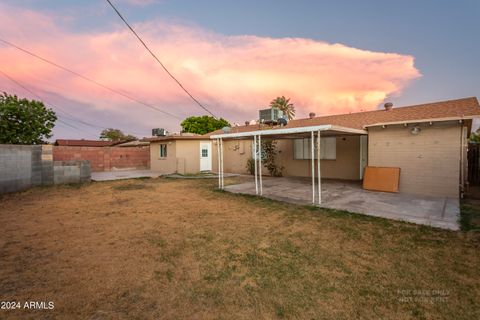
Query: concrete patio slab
<point>123,174</point>
<point>200,176</point>
<point>344,195</point>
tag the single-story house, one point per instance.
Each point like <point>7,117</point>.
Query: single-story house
<point>182,153</point>
<point>428,142</point>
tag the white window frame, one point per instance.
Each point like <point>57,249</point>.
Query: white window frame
<point>163,150</point>
<point>328,149</point>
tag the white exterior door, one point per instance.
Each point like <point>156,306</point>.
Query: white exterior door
<point>205,156</point>
<point>363,154</point>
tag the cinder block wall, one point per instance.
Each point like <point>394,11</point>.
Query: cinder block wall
<point>429,162</point>
<point>20,167</point>
<point>105,158</point>
<point>24,166</point>
<point>71,171</point>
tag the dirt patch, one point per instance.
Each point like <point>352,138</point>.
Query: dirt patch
<point>177,249</point>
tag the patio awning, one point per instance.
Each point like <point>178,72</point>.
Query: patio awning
<point>285,133</point>
<point>314,132</point>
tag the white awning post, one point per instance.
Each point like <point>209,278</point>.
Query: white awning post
<point>221,161</point>
<point>218,164</point>
<point>255,161</point>
<point>318,169</point>
<point>260,163</point>
<point>313,165</point>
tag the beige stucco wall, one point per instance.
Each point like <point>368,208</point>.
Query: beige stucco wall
<point>163,165</point>
<point>188,157</point>
<point>346,166</point>
<point>183,156</point>
<point>429,162</point>
<point>235,155</point>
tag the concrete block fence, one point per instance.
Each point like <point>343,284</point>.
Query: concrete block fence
<point>106,158</point>
<point>25,166</point>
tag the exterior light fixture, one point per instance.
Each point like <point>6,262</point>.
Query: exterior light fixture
<point>415,130</point>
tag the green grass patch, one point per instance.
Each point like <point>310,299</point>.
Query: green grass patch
<point>470,216</point>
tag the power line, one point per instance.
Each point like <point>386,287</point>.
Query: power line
<point>89,79</point>
<point>36,95</point>
<point>158,60</point>
<point>73,118</point>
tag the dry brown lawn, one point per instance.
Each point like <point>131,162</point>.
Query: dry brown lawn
<point>178,249</point>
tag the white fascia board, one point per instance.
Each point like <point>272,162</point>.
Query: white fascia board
<point>348,130</point>
<point>287,131</point>
<point>271,132</point>
<point>420,121</point>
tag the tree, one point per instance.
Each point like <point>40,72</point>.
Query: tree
<point>284,104</point>
<point>24,121</point>
<point>203,124</point>
<point>111,134</point>
<point>475,137</point>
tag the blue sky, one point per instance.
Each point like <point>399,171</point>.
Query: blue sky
<point>442,36</point>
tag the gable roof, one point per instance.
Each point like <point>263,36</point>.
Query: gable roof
<point>465,108</point>
<point>83,143</point>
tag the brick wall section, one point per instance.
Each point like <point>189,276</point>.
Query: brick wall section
<point>106,158</point>
<point>429,161</point>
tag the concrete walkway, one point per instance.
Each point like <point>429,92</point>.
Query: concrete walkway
<point>437,212</point>
<point>123,174</point>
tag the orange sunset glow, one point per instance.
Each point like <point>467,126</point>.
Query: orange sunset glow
<point>233,75</point>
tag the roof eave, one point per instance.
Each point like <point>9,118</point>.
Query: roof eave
<point>420,121</point>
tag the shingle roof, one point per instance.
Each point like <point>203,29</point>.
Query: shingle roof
<point>179,137</point>
<point>83,143</point>
<point>459,108</point>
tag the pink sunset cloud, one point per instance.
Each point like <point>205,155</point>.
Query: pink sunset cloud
<point>233,75</point>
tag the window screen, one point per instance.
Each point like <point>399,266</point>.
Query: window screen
<point>163,151</point>
<point>302,148</point>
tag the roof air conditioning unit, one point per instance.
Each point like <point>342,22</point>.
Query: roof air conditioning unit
<point>270,115</point>
<point>159,132</point>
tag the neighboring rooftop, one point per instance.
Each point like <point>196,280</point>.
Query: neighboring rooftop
<point>465,108</point>
<point>132,143</point>
<point>83,143</point>
<point>179,136</point>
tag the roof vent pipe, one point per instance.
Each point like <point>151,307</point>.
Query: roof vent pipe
<point>388,106</point>
<point>311,115</point>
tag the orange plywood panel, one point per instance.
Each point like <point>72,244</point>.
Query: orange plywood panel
<point>381,179</point>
